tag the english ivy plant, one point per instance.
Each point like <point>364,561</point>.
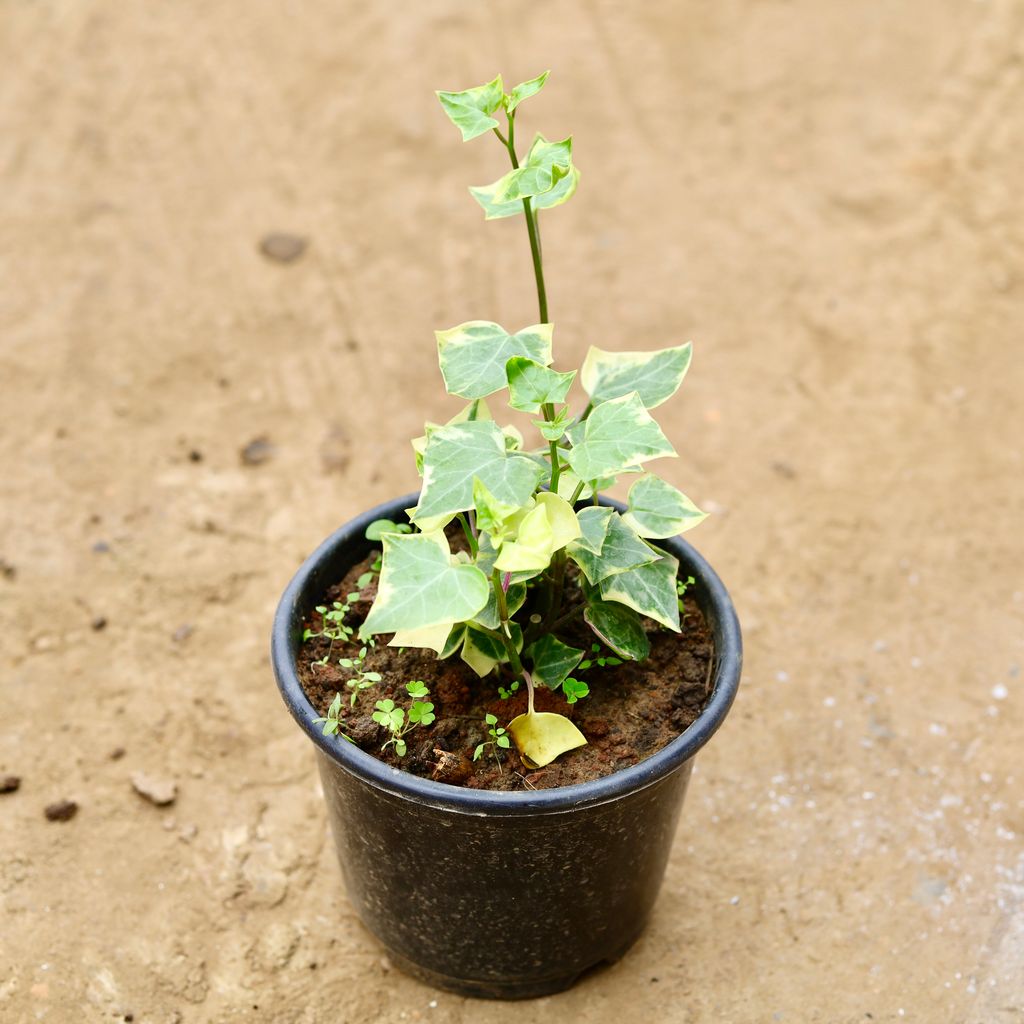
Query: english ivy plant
<point>501,604</point>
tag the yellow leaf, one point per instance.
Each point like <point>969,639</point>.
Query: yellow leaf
<point>542,736</point>
<point>565,527</point>
<point>434,637</point>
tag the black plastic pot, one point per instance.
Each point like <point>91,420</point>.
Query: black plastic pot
<point>502,895</point>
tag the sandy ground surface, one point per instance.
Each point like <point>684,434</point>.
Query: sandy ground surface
<point>825,196</point>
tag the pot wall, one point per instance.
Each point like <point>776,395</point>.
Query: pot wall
<point>509,906</point>
<point>507,895</point>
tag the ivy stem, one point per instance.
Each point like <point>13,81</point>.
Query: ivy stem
<point>506,637</point>
<point>468,531</point>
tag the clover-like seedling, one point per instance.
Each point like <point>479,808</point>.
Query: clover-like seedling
<point>498,739</point>
<point>504,603</point>
<point>398,722</point>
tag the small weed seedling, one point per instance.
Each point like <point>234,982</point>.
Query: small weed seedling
<point>498,739</point>
<point>397,722</point>
<point>332,723</point>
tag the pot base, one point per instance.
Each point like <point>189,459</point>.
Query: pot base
<point>533,988</point>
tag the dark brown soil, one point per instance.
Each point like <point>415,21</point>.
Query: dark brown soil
<point>633,710</point>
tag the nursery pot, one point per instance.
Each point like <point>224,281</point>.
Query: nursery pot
<point>496,894</point>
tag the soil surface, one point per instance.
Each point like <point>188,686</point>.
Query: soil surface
<point>824,196</point>
<point>633,709</point>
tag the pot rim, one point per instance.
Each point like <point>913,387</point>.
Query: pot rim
<point>711,594</point>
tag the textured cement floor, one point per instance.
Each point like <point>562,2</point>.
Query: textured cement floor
<point>825,196</point>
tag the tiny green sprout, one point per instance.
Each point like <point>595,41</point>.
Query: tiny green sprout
<point>397,722</point>
<point>598,659</point>
<point>498,739</point>
<point>379,527</point>
<point>681,587</point>
<point>505,692</point>
<point>574,689</point>
<point>332,723</point>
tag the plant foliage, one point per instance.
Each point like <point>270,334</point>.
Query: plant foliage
<point>502,604</point>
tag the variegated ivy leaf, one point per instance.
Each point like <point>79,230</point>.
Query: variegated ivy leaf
<point>547,176</point>
<point>487,555</point>
<point>483,652</point>
<point>541,736</point>
<point>455,455</point>
<point>654,376</point>
<point>433,637</point>
<point>618,435</point>
<point>547,527</point>
<point>531,385</point>
<point>552,430</point>
<point>621,549</point>
<point>515,597</point>
<point>524,90</point>
<point>593,522</point>
<point>473,355</point>
<point>649,589</point>
<point>546,164</point>
<point>619,627</point>
<point>419,586</point>
<point>552,660</point>
<point>470,109</point>
<point>658,510</point>
<point>491,514</point>
<point>478,409</point>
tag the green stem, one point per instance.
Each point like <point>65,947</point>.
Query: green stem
<point>506,636</point>
<point>467,530</point>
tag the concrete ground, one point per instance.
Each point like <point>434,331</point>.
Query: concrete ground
<point>825,196</point>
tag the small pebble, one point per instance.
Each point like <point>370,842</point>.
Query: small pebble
<point>101,547</point>
<point>1000,692</point>
<point>256,452</point>
<point>99,623</point>
<point>8,571</point>
<point>116,754</point>
<point>282,247</point>
<point>160,792</point>
<point>195,455</point>
<point>62,810</point>
<point>182,633</point>
<point>10,784</point>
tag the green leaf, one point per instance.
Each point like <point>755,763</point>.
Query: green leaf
<point>420,587</point>
<point>524,90</point>
<point>542,736</point>
<point>532,385</point>
<point>545,165</point>
<point>658,510</point>
<point>622,549</point>
<point>552,430</point>
<point>491,514</point>
<point>469,110</point>
<point>593,522</point>
<point>483,652</point>
<point>619,627</point>
<point>619,434</point>
<point>473,355</point>
<point>649,589</point>
<point>547,162</point>
<point>515,598</point>
<point>552,660</point>
<point>377,529</point>
<point>655,376</point>
<point>458,453</point>
<point>574,690</point>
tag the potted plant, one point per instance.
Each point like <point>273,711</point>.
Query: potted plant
<point>493,571</point>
